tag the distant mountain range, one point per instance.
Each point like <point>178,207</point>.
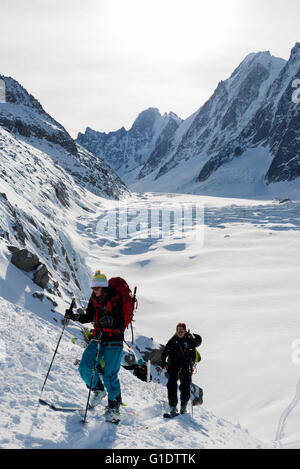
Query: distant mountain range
<point>242,142</point>
<point>48,183</point>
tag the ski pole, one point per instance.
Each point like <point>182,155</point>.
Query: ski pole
<point>73,303</point>
<point>159,370</point>
<point>92,379</point>
<point>134,304</point>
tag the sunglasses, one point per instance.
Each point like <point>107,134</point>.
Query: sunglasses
<point>180,330</point>
<point>96,288</point>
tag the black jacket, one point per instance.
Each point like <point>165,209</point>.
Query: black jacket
<point>181,351</point>
<point>96,311</point>
<point>140,372</point>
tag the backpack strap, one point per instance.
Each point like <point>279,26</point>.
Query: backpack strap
<point>97,307</point>
<point>111,331</point>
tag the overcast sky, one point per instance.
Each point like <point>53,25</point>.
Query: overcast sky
<point>99,63</point>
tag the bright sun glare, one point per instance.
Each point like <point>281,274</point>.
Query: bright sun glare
<point>167,29</point>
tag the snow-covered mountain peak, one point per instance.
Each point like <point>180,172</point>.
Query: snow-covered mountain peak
<point>22,115</point>
<point>254,106</point>
<point>262,56</point>
<point>25,119</point>
<point>295,49</point>
<point>255,62</point>
<point>145,118</point>
<point>295,54</point>
<point>16,94</point>
<point>172,115</point>
<point>151,121</point>
<point>125,150</point>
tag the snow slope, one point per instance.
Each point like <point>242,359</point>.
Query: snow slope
<point>237,287</point>
<point>26,424</point>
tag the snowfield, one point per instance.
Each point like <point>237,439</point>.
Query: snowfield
<point>236,284</point>
<point>26,424</point>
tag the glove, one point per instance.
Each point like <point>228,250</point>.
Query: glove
<point>105,321</point>
<point>163,364</point>
<point>68,315</point>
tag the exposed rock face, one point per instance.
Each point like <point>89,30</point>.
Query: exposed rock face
<point>29,262</point>
<point>285,118</point>
<point>163,146</point>
<point>125,150</point>
<point>25,260</point>
<point>153,355</point>
<point>275,125</point>
<point>22,114</point>
<point>41,276</point>
<point>61,193</point>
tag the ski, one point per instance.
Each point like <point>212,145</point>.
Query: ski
<point>114,421</point>
<point>169,416</point>
<point>71,407</point>
<point>62,406</point>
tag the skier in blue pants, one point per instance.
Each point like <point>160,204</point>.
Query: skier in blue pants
<point>105,312</point>
<point>112,353</point>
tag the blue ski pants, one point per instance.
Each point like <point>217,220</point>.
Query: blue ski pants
<point>112,353</point>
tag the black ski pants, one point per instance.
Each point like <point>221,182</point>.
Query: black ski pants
<point>180,372</point>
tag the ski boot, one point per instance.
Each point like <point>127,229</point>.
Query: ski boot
<point>183,407</point>
<point>118,402</point>
<point>97,397</point>
<point>112,413</point>
<point>173,411</point>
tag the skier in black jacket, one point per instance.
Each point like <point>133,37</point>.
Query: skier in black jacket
<point>140,370</point>
<point>181,353</point>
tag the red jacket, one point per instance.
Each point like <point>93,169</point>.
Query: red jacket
<point>96,311</point>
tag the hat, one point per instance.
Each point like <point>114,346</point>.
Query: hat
<point>99,280</point>
<point>140,362</point>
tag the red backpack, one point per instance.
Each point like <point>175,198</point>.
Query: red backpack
<point>129,301</point>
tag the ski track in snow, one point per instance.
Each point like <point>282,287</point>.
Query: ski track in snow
<point>284,417</point>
